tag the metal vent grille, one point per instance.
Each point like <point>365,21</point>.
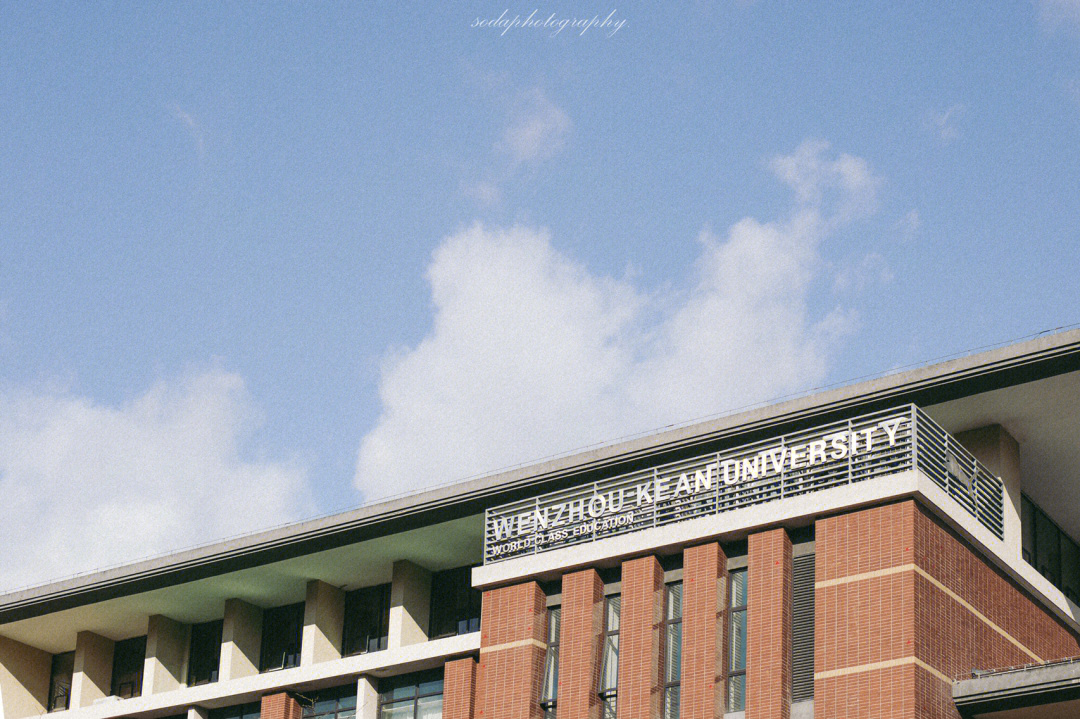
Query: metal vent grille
<point>802,629</point>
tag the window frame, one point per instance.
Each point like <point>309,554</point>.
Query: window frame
<point>549,692</point>
<point>131,650</point>
<point>208,631</point>
<point>416,680</point>
<point>610,694</point>
<point>334,694</point>
<point>352,630</point>
<point>732,610</point>
<point>456,596</point>
<point>67,658</point>
<point>272,620</point>
<point>668,625</point>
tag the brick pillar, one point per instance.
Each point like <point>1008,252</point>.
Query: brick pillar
<point>280,706</point>
<point>704,643</point>
<point>639,639</point>
<point>579,645</point>
<point>768,626</point>
<point>459,689</point>
<point>512,649</point>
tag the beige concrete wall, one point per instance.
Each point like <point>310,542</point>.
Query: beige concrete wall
<point>167,643</point>
<point>367,698</point>
<point>241,638</point>
<point>410,604</point>
<point>93,669</point>
<point>324,618</point>
<point>996,448</point>
<point>24,679</point>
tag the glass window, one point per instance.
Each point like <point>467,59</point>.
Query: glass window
<point>455,606</point>
<point>127,674</point>
<point>549,695</point>
<point>283,629</point>
<point>237,711</point>
<point>338,703</point>
<point>1027,529</point>
<point>609,663</point>
<point>63,666</point>
<point>671,638</point>
<point>205,653</point>
<point>736,694</point>
<point>413,696</point>
<point>1047,548</point>
<point>367,620</point>
<point>1070,568</point>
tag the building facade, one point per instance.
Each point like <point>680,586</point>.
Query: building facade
<point>904,547</point>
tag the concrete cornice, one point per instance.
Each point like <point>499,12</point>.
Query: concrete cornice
<point>1014,364</point>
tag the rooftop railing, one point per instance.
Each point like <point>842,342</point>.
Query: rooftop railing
<point>791,465</point>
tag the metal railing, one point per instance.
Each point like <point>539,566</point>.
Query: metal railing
<point>796,464</point>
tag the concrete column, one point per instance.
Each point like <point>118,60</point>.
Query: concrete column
<point>324,620</point>
<point>410,604</point>
<point>198,713</point>
<point>92,678</point>
<point>997,449</point>
<point>167,643</point>
<point>768,625</point>
<point>24,679</point>
<point>703,651</point>
<point>639,639</point>
<point>241,637</point>
<point>367,698</point>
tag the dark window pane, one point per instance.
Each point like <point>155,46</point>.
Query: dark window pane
<point>367,620</point>
<point>337,703</point>
<point>455,605</point>
<point>205,653</point>
<point>1047,548</point>
<point>63,666</point>
<point>412,696</point>
<point>283,629</point>
<point>1027,529</point>
<point>128,658</point>
<point>1070,569</point>
<point>237,711</point>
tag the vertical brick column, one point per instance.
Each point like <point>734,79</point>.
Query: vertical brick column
<point>459,689</point>
<point>639,639</point>
<point>280,706</point>
<point>768,626</point>
<point>512,648</point>
<point>704,643</point>
<point>579,645</point>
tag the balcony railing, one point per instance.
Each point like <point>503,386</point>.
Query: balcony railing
<point>855,450</point>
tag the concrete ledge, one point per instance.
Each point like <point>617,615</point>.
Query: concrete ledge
<point>389,662</point>
<point>1031,686</point>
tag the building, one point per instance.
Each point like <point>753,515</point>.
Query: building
<point>902,547</point>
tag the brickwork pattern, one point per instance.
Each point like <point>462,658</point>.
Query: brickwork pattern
<point>900,610</point>
<point>768,617</point>
<point>459,689</point>
<point>512,648</point>
<point>639,639</point>
<point>579,645</point>
<point>704,600</point>
<point>280,706</point>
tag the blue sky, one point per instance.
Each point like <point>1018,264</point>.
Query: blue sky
<point>321,253</point>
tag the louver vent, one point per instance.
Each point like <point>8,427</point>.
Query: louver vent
<point>802,629</point>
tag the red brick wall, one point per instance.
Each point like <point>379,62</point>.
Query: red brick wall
<point>704,600</point>
<point>579,645</point>
<point>768,626</point>
<point>639,639</point>
<point>903,605</point>
<point>512,648</point>
<point>459,689</point>
<point>280,706</point>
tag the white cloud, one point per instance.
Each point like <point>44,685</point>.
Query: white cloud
<point>1059,14</point>
<point>908,225</point>
<point>945,125</point>
<point>86,484</point>
<point>531,353</point>
<point>537,128</point>
<point>872,269</point>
